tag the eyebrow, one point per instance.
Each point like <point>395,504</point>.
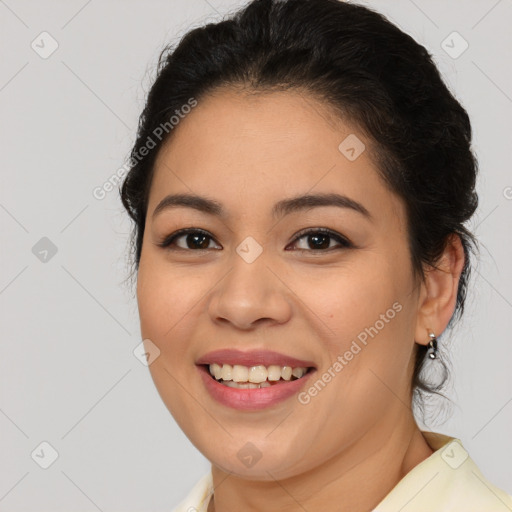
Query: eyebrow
<point>280,209</point>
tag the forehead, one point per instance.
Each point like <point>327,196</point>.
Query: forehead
<point>256,148</point>
<point>230,125</point>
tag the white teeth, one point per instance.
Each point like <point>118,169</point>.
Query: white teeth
<point>216,369</point>
<point>240,373</point>
<point>274,372</point>
<point>227,372</point>
<point>298,372</point>
<point>245,385</point>
<point>258,374</point>
<point>286,372</point>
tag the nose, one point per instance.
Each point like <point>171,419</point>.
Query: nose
<point>249,295</point>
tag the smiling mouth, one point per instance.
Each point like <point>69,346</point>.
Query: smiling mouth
<point>254,377</point>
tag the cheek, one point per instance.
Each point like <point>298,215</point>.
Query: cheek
<point>166,299</point>
<point>362,313</point>
<point>166,302</point>
<point>344,301</point>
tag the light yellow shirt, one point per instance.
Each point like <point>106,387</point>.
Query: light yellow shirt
<point>446,481</point>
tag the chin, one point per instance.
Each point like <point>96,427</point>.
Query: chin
<point>258,469</point>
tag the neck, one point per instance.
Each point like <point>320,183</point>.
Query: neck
<point>353,480</point>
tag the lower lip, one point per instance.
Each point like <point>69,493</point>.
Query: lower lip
<point>251,399</point>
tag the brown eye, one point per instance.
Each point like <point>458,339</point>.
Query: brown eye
<point>196,239</point>
<point>193,241</point>
<point>187,239</point>
<point>321,239</point>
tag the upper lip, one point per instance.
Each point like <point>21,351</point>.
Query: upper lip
<point>252,358</point>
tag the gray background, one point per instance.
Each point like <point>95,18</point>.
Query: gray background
<point>69,326</point>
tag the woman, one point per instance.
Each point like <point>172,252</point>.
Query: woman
<point>300,184</point>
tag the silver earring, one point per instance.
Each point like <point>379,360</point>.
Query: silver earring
<point>432,346</point>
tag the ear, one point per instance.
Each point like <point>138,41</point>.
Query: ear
<point>438,294</point>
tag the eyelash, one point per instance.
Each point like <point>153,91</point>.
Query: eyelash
<point>344,242</point>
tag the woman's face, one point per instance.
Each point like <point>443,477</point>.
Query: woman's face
<point>255,281</point>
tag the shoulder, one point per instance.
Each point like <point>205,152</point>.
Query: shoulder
<point>448,480</point>
<point>198,497</point>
